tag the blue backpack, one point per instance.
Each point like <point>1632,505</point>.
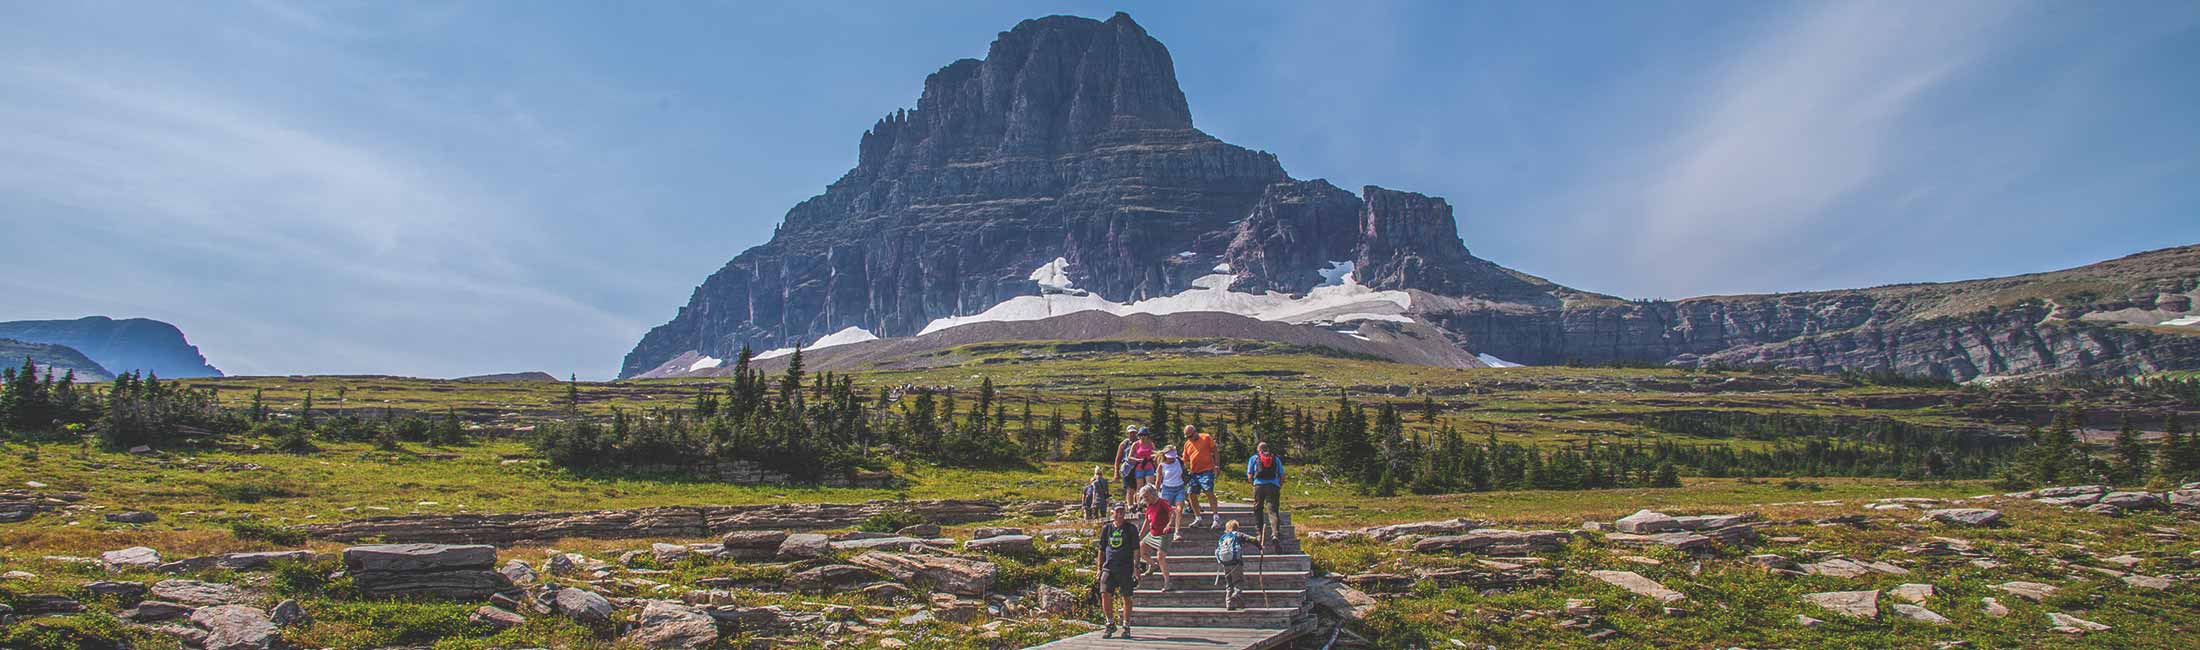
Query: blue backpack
<point>1227,551</point>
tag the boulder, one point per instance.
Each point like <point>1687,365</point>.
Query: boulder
<point>1338,600</point>
<point>2185,498</point>
<point>672,626</point>
<point>1964,516</point>
<point>135,557</point>
<point>2148,582</point>
<point>1919,613</point>
<point>235,627</point>
<point>1644,522</point>
<point>1684,541</point>
<point>1858,604</point>
<point>895,543</point>
<point>2032,591</point>
<point>156,610</point>
<point>1489,541</point>
<point>669,554</point>
<point>124,592</point>
<point>1010,544</point>
<point>133,517</point>
<point>2073,625</point>
<point>922,531</point>
<point>1993,607</point>
<point>2070,491</point>
<point>753,545</point>
<point>1641,586</point>
<point>2131,500</point>
<point>2072,501</point>
<point>409,558</point>
<point>1912,592</point>
<point>581,605</point>
<point>953,575</point>
<point>496,618</point>
<point>198,594</point>
<point>803,546</point>
<point>1053,600</point>
<point>831,578</point>
<point>289,614</point>
<point>2104,509</point>
<point>884,592</point>
<point>518,573</point>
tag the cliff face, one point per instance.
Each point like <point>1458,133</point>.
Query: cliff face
<point>1071,139</point>
<point>119,345</point>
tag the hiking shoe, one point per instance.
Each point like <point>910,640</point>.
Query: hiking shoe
<point>1126,630</point>
<point>1110,631</point>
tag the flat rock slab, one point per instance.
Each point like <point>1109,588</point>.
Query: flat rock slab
<point>198,594</point>
<point>1684,541</point>
<point>408,558</point>
<point>1912,592</point>
<point>1644,522</point>
<point>1177,638</point>
<point>135,557</point>
<point>1634,582</point>
<point>2032,591</point>
<point>669,626</point>
<point>1857,604</point>
<point>1964,516</point>
<point>237,561</point>
<point>953,575</point>
<point>1919,613</point>
<point>235,627</point>
<point>2065,622</point>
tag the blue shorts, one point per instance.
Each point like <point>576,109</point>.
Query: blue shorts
<point>1172,494</point>
<point>1202,482</point>
<point>1144,473</point>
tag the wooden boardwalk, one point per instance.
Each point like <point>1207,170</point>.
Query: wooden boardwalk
<point>1177,638</point>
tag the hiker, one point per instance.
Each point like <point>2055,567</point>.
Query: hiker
<point>1096,495</point>
<point>1265,470</point>
<point>1117,560</point>
<point>1171,475</point>
<point>1126,470</point>
<point>1140,455</point>
<point>1200,463</point>
<point>1230,554</point>
<point>1160,525</point>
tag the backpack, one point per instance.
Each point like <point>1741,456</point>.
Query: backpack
<point>1267,469</point>
<point>1227,552</point>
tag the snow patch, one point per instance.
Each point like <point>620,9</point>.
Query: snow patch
<point>1052,275</point>
<point>843,337</point>
<point>1345,300</point>
<point>2188,321</point>
<point>705,363</point>
<point>1222,268</point>
<point>1495,362</point>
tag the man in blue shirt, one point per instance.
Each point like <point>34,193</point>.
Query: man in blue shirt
<point>1265,470</point>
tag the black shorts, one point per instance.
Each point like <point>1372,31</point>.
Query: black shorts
<point>1119,582</point>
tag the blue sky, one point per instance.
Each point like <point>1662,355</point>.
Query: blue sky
<point>440,189</point>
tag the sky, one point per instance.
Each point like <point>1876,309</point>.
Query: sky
<point>441,189</point>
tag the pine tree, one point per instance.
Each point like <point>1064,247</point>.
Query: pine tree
<point>259,407</point>
<point>305,411</point>
<point>2130,454</point>
<point>572,394</point>
<point>1158,417</point>
<point>2176,457</point>
<point>1669,476</point>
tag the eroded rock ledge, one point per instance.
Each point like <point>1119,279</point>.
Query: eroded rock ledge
<point>662,522</point>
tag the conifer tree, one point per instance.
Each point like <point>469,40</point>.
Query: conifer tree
<point>2130,454</point>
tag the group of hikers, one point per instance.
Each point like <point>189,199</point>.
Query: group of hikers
<point>1165,482</point>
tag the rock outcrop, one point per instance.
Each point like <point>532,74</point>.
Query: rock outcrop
<point>664,522</point>
<point>425,570</point>
<point>125,345</point>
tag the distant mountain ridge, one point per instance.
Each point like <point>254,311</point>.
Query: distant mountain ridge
<point>61,359</point>
<point>1071,141</point>
<point>119,345</point>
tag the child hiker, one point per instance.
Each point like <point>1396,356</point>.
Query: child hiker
<point>1230,554</point>
<point>1096,495</point>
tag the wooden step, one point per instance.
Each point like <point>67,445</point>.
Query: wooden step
<point>1271,563</point>
<point>1205,596</point>
<point>1208,579</point>
<point>1269,618</point>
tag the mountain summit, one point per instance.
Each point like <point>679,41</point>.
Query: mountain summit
<point>1063,173</point>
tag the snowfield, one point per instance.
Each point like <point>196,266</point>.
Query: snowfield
<point>2188,321</point>
<point>842,337</point>
<point>1341,298</point>
<point>1495,362</point>
<point>705,363</point>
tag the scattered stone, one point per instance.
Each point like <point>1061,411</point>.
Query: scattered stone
<point>1338,600</point>
<point>126,592</point>
<point>955,575</point>
<point>2067,491</point>
<point>133,517</point>
<point>1054,600</point>
<point>1918,613</point>
<point>582,605</point>
<point>2104,509</point>
<point>2147,582</point>
<point>496,618</point>
<point>1645,561</point>
<point>289,614</point>
<point>1010,544</point>
<point>2068,624</point>
<point>1858,604</point>
<point>667,625</point>
<point>1993,607</point>
<point>1839,567</point>
<point>982,533</point>
<point>1710,522</point>
<point>1580,607</point>
<point>1683,541</point>
<point>1806,621</point>
<point>135,557</point>
<point>1634,582</point>
<point>1775,563</point>
<point>41,604</point>
<point>894,543</point>
<point>1487,541</point>
<point>922,531</point>
<point>235,627</point>
<point>1964,516</point>
<point>156,610</point>
<point>830,578</point>
<point>955,610</point>
<point>753,545</point>
<point>2033,591</point>
<point>518,573</point>
<point>805,546</point>
<point>453,571</point>
<point>200,594</point>
<point>2126,560</point>
<point>2131,500</point>
<point>1912,592</point>
<point>884,592</point>
<point>1645,522</point>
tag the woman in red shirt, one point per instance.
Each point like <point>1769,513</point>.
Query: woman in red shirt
<point>1160,525</point>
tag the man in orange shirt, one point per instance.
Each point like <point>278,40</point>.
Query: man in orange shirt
<point>1200,462</point>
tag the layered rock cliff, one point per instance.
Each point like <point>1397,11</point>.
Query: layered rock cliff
<point>119,345</point>
<point>1072,140</point>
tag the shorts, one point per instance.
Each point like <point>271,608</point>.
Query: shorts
<point>1202,482</point>
<point>1158,542</point>
<point>1144,473</point>
<point>1118,582</point>
<point>1174,495</point>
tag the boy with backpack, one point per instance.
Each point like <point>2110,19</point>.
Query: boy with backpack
<point>1230,554</point>
<point>1096,495</point>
